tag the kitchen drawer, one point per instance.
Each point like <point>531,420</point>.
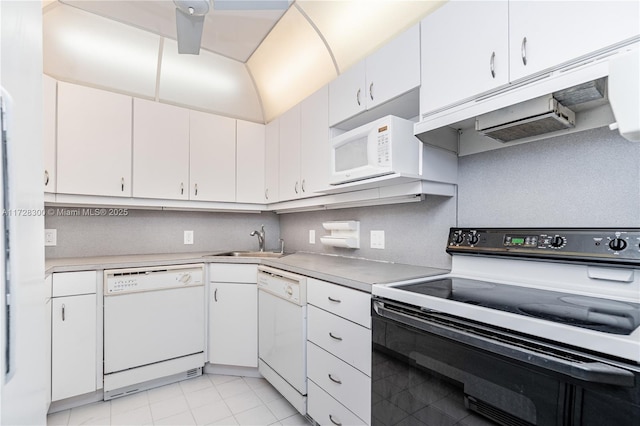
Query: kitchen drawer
<point>348,303</point>
<point>346,340</point>
<point>74,283</point>
<point>340,380</point>
<point>233,273</point>
<point>327,411</point>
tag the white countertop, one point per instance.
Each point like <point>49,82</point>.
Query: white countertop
<point>356,273</point>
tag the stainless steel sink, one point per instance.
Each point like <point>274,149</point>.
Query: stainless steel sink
<point>249,254</point>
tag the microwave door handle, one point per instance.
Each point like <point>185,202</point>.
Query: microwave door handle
<point>372,148</point>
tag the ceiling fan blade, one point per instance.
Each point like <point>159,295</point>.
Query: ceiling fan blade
<point>189,30</point>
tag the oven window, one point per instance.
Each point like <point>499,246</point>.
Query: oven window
<point>422,379</point>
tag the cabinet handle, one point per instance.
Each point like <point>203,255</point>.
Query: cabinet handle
<point>195,186</point>
<point>338,381</point>
<point>337,423</point>
<point>492,65</point>
<point>181,188</point>
<point>331,299</point>
<point>303,188</point>
<point>63,313</point>
<point>296,187</point>
<point>335,337</point>
<point>215,295</point>
<point>46,177</point>
<point>358,97</point>
<point>266,194</point>
<point>523,51</point>
<point>122,184</point>
<point>371,90</point>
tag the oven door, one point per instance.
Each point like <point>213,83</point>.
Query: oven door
<point>435,369</point>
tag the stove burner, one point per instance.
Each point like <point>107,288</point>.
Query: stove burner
<point>601,304</point>
<point>598,314</point>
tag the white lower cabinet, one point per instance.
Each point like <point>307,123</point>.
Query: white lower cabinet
<point>73,334</point>
<point>338,354</point>
<point>233,315</point>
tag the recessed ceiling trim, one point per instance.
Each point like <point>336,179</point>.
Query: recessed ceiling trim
<point>159,71</point>
<point>322,37</point>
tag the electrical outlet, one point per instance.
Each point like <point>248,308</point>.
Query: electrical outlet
<point>188,237</point>
<point>312,236</point>
<point>377,239</point>
<point>50,237</point>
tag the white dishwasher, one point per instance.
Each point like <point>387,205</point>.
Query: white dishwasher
<point>154,321</point>
<point>282,333</point>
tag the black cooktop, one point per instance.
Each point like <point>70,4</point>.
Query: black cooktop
<point>603,315</point>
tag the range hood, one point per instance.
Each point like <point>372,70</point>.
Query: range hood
<point>595,93</point>
<point>531,118</point>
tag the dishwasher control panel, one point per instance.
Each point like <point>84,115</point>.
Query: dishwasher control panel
<point>119,281</point>
<point>283,284</point>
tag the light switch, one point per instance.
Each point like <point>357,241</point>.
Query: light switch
<point>188,237</point>
<point>377,239</point>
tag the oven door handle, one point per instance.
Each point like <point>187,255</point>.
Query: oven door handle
<point>593,372</point>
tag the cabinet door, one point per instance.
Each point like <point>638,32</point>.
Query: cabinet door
<point>250,162</point>
<point>94,142</point>
<point>212,162</point>
<point>233,324</point>
<point>73,347</point>
<point>560,31</point>
<point>314,130</point>
<point>290,186</point>
<point>49,90</point>
<point>160,150</point>
<point>394,69</point>
<point>272,162</point>
<point>464,52</point>
<point>347,95</point>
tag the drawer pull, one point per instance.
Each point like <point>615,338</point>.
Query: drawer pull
<point>63,313</point>
<point>338,381</point>
<point>215,295</point>
<point>335,337</point>
<point>335,422</point>
<point>331,299</point>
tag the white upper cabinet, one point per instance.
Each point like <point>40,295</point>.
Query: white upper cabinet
<point>391,71</point>
<point>250,146</point>
<point>304,147</point>
<point>347,93</point>
<point>160,151</point>
<point>290,185</point>
<point>212,157</point>
<point>465,51</point>
<point>94,142</point>
<point>473,47</point>
<point>549,33</point>
<point>272,161</point>
<point>49,132</point>
<point>314,149</point>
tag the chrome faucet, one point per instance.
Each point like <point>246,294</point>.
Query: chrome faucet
<point>260,234</point>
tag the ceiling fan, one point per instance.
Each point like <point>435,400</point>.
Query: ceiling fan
<point>190,17</point>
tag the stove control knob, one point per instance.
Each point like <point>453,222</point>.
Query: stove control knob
<point>458,237</point>
<point>473,237</point>
<point>558,242</point>
<point>617,244</point>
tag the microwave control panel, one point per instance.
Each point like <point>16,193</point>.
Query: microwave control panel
<point>384,149</point>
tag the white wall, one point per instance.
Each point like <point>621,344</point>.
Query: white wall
<point>23,398</point>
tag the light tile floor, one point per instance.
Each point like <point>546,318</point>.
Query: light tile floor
<point>205,400</point>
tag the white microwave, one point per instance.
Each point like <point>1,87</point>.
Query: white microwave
<point>382,147</point>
